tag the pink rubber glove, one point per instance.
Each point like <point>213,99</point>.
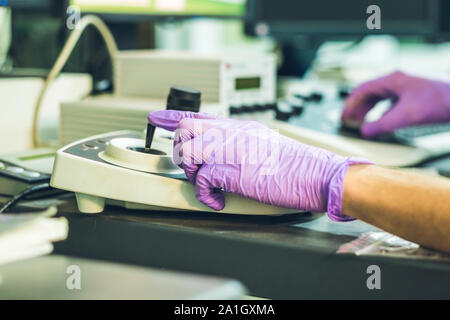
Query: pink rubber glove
<point>249,159</point>
<point>415,101</point>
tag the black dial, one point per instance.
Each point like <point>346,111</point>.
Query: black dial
<point>184,99</point>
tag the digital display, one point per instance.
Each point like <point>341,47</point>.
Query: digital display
<point>247,83</point>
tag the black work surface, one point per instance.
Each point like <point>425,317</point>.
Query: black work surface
<point>268,255</point>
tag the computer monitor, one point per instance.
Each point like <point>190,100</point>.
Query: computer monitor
<point>52,7</point>
<point>162,8</point>
<point>28,4</point>
<point>284,19</point>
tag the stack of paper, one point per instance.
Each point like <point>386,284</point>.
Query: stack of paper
<point>23,236</point>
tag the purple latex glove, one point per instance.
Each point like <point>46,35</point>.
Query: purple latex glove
<point>249,159</point>
<point>415,101</point>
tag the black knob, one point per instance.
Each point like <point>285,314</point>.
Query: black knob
<point>283,116</point>
<point>271,106</point>
<point>344,92</point>
<point>247,109</point>
<point>184,99</point>
<point>312,97</point>
<point>316,97</point>
<point>235,110</point>
<point>297,110</point>
<point>259,108</point>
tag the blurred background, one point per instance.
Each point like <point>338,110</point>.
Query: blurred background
<point>38,30</point>
<point>317,41</point>
<point>33,33</point>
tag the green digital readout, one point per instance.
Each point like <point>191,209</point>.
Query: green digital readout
<point>247,83</point>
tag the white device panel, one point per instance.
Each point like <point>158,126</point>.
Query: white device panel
<point>106,167</point>
<point>249,82</point>
<point>227,80</point>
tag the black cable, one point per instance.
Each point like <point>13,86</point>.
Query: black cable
<point>26,192</point>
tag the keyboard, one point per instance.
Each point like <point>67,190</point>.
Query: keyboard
<point>410,133</point>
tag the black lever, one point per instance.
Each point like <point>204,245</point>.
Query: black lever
<point>149,138</point>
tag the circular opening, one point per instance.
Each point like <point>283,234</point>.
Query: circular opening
<point>151,151</point>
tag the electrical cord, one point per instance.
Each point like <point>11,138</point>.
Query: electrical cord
<point>62,60</point>
<point>23,194</point>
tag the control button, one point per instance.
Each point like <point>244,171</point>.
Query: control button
<point>15,170</point>
<point>89,146</point>
<point>235,110</point>
<point>270,106</point>
<point>259,108</point>
<point>297,111</point>
<point>31,174</point>
<point>343,93</point>
<point>101,141</point>
<point>247,109</point>
<point>312,97</point>
<point>283,116</point>
<point>316,97</point>
<point>2,166</point>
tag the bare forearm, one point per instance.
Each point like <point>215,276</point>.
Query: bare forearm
<point>412,206</point>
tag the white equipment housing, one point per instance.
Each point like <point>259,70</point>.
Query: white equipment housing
<point>106,169</point>
<point>227,80</point>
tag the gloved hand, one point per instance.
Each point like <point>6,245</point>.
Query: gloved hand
<point>249,159</point>
<point>415,101</point>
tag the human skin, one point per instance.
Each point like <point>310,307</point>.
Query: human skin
<point>413,206</point>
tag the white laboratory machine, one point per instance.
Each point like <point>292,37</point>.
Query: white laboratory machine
<point>112,169</point>
<point>230,80</point>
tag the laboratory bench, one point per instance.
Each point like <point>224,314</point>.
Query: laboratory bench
<point>284,257</point>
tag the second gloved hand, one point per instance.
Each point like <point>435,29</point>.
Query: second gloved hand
<point>415,101</point>
<point>249,159</point>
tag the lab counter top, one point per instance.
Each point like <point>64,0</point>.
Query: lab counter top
<point>287,257</point>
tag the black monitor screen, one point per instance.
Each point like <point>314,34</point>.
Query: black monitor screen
<point>344,10</point>
<point>344,16</point>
